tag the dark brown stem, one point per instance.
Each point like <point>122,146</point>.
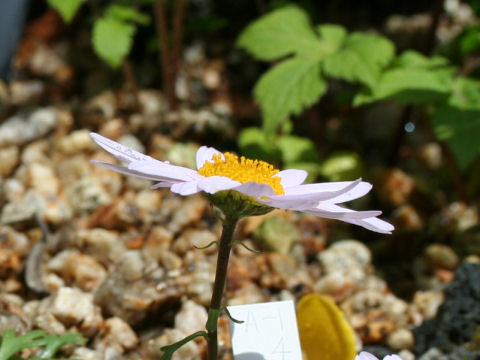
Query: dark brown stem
<point>220,277</point>
<point>432,31</point>
<point>162,36</point>
<point>130,79</point>
<point>178,19</point>
<point>129,75</point>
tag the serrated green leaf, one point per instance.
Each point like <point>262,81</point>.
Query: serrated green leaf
<point>413,59</point>
<point>112,39</point>
<point>66,8</point>
<point>348,65</point>
<point>332,35</point>
<point>377,50</point>
<point>409,86</point>
<point>360,59</point>
<point>282,32</point>
<point>460,128</point>
<point>127,13</point>
<point>288,88</point>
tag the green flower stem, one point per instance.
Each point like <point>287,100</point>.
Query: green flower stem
<point>224,248</point>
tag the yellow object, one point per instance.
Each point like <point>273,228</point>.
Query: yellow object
<point>243,170</point>
<point>324,332</point>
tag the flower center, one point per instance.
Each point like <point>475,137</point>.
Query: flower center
<point>243,170</point>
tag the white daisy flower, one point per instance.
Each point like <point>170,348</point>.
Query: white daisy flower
<point>217,172</point>
<point>367,356</point>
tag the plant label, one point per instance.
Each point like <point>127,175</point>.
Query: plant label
<point>268,332</point>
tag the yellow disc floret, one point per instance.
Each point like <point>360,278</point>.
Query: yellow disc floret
<point>243,170</point>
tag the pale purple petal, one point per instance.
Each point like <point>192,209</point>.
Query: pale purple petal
<point>213,184</point>
<point>344,212</point>
<point>121,152</point>
<point>365,356</point>
<point>255,189</point>
<point>309,189</point>
<point>358,191</point>
<point>373,224</point>
<point>289,203</point>
<point>292,177</point>
<point>392,357</point>
<point>185,188</point>
<point>164,170</point>
<point>205,153</point>
<point>126,171</point>
<point>162,184</point>
<point>302,200</point>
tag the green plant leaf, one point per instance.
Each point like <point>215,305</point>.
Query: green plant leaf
<point>66,8</point>
<point>413,59</point>
<point>54,343</point>
<point>297,149</point>
<point>470,40</point>
<point>288,88</point>
<point>112,39</point>
<point>342,166</point>
<point>460,128</point>
<point>254,144</point>
<point>299,153</point>
<point>409,86</point>
<point>360,59</point>
<point>332,35</point>
<point>127,13</point>
<point>458,121</point>
<point>465,93</point>
<point>11,344</point>
<point>282,32</point>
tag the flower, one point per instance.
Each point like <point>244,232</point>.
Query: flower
<point>258,180</point>
<point>367,356</point>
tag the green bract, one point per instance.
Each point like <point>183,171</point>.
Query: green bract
<point>236,205</point>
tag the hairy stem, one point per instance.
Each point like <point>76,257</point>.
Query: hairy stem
<point>219,285</point>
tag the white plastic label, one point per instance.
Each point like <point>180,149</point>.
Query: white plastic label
<point>269,331</point>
